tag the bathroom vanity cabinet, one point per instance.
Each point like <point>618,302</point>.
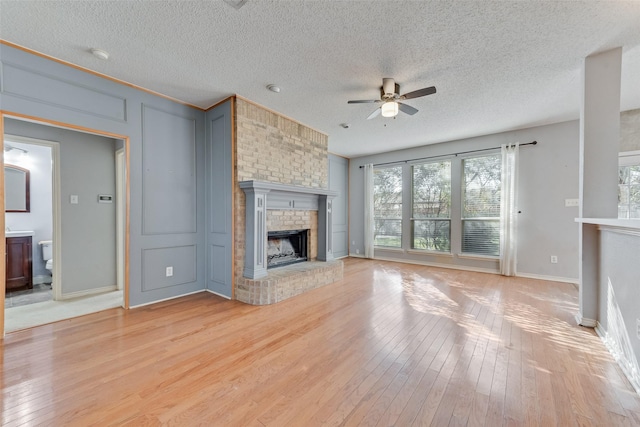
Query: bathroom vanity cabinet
<point>19,263</point>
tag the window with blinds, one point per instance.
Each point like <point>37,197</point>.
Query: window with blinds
<point>431,207</point>
<point>481,205</point>
<point>387,206</point>
<point>629,192</point>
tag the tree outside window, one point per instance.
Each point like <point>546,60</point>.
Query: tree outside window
<point>387,206</point>
<point>431,207</point>
<point>629,192</point>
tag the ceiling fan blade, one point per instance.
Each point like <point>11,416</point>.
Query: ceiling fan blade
<point>408,109</point>
<point>363,101</point>
<point>420,92</point>
<point>376,113</point>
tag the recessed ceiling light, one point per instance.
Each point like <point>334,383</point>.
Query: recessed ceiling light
<point>273,88</point>
<point>100,54</point>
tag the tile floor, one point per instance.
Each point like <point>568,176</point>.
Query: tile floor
<point>41,313</point>
<point>40,293</point>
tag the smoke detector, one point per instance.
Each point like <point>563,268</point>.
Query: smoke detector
<point>100,54</point>
<point>236,4</point>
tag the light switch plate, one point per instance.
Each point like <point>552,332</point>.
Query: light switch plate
<point>73,199</point>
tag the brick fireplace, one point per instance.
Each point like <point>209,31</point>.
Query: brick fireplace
<point>282,179</point>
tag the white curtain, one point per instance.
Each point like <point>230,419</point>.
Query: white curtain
<point>508,210</point>
<point>369,224</point>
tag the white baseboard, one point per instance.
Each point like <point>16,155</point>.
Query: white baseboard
<point>166,299</point>
<point>39,280</point>
<point>215,293</point>
<point>435,264</point>
<point>632,376</point>
<point>88,292</point>
<point>476,269</point>
<point>548,278</point>
<point>585,321</point>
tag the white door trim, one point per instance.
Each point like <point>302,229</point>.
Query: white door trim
<point>120,216</point>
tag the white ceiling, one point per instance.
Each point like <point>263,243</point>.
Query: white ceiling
<point>497,65</point>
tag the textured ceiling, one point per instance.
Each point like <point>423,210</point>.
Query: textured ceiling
<point>497,65</point>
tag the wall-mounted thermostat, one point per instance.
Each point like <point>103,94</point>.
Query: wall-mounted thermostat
<point>105,198</point>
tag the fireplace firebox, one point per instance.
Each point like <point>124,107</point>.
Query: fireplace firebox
<point>286,247</point>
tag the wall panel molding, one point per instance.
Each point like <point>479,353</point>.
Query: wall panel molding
<point>169,176</point>
<point>44,88</point>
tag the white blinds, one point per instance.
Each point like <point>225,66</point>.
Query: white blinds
<point>481,205</point>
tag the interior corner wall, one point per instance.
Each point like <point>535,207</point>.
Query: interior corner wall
<point>166,159</point>
<point>219,199</point>
<point>548,175</point>
<point>339,182</point>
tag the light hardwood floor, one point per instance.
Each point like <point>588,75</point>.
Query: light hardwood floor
<point>389,345</point>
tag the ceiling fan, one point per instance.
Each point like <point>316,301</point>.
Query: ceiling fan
<point>390,99</point>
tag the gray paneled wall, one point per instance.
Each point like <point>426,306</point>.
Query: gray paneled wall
<point>164,201</point>
<point>339,181</point>
<point>169,172</point>
<point>219,188</point>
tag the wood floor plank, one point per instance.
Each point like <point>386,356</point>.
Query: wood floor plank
<point>389,345</point>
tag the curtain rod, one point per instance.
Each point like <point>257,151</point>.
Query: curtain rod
<point>446,155</point>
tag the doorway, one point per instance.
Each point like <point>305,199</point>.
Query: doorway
<point>73,207</point>
<point>29,231</point>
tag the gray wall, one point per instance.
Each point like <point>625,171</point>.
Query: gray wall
<point>40,217</point>
<point>618,296</point>
<point>630,130</point>
<point>548,176</point>
<point>166,145</point>
<point>339,181</point>
<point>87,168</point>
<point>219,189</point>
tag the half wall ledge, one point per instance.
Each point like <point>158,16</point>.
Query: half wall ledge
<point>286,282</point>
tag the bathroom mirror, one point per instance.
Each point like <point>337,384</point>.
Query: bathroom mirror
<point>16,189</point>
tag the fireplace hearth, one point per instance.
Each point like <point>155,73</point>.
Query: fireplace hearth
<point>286,247</point>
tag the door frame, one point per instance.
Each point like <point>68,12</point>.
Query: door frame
<point>127,195</point>
<point>121,180</point>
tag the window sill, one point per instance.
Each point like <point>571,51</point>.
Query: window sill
<point>384,248</point>
<point>478,257</point>
<point>430,253</point>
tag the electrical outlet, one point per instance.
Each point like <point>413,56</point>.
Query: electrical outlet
<point>353,242</point>
<point>169,271</point>
<point>569,203</point>
<point>357,251</point>
<point>554,259</point>
<point>73,199</point>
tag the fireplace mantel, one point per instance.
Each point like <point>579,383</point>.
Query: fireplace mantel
<point>261,196</point>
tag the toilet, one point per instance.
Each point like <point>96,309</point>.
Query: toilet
<point>47,254</point>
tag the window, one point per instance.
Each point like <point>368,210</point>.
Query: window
<point>387,206</point>
<point>629,192</point>
<point>431,207</point>
<point>481,205</point>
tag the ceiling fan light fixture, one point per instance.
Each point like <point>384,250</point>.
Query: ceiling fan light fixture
<point>389,109</point>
